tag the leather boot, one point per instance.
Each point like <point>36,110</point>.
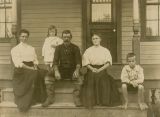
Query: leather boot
<point>50,95</point>
<point>76,96</point>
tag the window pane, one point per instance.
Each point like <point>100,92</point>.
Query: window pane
<point>1,5</point>
<point>5,18</point>
<point>2,15</point>
<point>2,30</point>
<point>8,15</point>
<point>152,1</point>
<point>152,28</point>
<point>8,30</point>
<point>1,1</point>
<point>152,12</point>
<point>8,1</point>
<point>101,13</point>
<point>100,1</point>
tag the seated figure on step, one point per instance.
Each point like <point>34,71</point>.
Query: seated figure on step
<point>28,78</point>
<point>66,66</point>
<point>132,78</point>
<point>99,88</point>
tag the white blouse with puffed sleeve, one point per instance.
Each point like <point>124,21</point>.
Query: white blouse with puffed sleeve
<point>23,52</point>
<point>96,55</point>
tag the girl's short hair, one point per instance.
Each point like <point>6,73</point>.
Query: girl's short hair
<point>51,27</point>
<point>130,55</point>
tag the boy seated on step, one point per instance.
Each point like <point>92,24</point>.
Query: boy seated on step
<point>132,79</point>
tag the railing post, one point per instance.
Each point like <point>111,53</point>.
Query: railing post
<point>136,30</point>
<point>136,41</point>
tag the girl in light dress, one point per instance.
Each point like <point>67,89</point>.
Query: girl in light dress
<point>49,46</point>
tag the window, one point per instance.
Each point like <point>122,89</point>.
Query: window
<point>151,20</point>
<point>6,19</point>
<point>101,11</point>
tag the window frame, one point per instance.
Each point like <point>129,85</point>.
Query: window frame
<point>100,23</point>
<point>6,39</point>
<point>143,10</point>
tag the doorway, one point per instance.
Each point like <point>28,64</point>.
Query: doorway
<point>101,17</point>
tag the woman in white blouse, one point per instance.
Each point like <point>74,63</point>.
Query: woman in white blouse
<point>26,73</point>
<point>98,88</point>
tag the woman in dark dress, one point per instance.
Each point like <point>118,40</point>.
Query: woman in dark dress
<point>28,82</point>
<point>99,87</point>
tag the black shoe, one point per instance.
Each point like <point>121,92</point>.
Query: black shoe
<point>47,102</point>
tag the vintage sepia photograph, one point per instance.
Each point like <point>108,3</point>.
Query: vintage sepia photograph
<point>79,58</point>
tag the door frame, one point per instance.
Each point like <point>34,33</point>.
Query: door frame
<point>86,21</point>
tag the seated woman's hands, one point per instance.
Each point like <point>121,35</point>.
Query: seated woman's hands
<point>95,70</point>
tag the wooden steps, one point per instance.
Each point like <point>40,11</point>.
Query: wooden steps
<point>63,93</point>
<point>65,107</point>
<point>62,96</point>
<point>8,109</point>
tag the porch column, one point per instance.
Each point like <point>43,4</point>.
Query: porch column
<point>136,30</point>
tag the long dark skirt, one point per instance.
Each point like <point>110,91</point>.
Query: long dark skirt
<point>99,89</point>
<point>28,87</point>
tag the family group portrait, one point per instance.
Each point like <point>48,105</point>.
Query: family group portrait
<point>79,58</point>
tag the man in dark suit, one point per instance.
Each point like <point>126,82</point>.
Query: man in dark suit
<point>66,65</point>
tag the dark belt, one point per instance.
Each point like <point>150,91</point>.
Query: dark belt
<point>97,66</point>
<point>30,63</point>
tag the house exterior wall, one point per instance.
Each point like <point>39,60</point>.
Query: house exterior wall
<point>37,15</point>
<point>127,28</point>
<point>5,53</point>
<point>5,61</point>
<point>150,52</point>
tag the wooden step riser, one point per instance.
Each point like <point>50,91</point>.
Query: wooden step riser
<point>72,112</point>
<point>59,97</point>
<point>148,84</point>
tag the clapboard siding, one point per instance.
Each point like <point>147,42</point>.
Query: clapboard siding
<point>127,28</point>
<point>60,25</point>
<point>5,53</point>
<point>37,15</point>
<point>39,11</point>
<point>150,52</point>
<point>5,61</point>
